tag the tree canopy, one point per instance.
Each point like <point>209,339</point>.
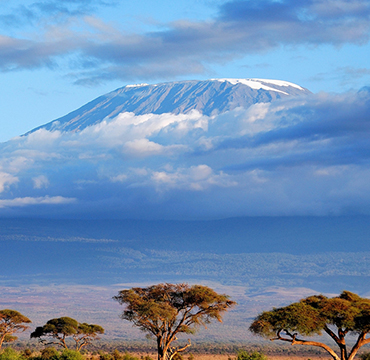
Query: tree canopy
<point>165,310</point>
<point>59,329</point>
<point>11,322</point>
<point>337,317</point>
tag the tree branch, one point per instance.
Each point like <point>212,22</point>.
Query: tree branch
<point>361,341</point>
<point>294,341</point>
<point>332,335</point>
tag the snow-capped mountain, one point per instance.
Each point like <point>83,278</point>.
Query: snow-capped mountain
<point>194,150</point>
<point>209,97</point>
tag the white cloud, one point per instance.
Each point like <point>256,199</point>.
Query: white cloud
<point>127,127</point>
<point>40,182</point>
<point>42,138</point>
<point>119,178</point>
<point>44,200</point>
<point>306,157</point>
<point>196,178</point>
<point>6,180</point>
<point>143,147</point>
<point>178,48</point>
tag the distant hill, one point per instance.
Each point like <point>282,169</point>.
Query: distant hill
<point>209,97</point>
<point>291,250</point>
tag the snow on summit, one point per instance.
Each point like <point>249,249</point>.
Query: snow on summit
<point>261,84</point>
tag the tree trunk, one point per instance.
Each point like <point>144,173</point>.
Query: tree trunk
<point>161,349</point>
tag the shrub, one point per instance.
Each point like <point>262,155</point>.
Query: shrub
<point>11,354</point>
<point>70,355</point>
<point>104,356</point>
<point>178,356</point>
<point>246,355</point>
<point>27,353</point>
<point>365,356</point>
<point>128,356</point>
<point>116,355</point>
<point>49,353</point>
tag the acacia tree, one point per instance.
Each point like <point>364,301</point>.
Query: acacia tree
<point>337,317</point>
<point>165,310</point>
<point>59,329</point>
<point>11,322</point>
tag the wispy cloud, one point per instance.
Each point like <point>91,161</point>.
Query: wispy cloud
<point>25,201</point>
<point>48,11</point>
<point>40,182</point>
<point>93,51</point>
<point>6,180</point>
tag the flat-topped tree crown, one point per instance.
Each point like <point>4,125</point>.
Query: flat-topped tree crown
<point>11,322</point>
<point>165,310</point>
<point>337,316</point>
<point>59,329</point>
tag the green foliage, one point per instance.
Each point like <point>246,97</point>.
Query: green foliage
<point>14,316</point>
<point>365,356</point>
<point>68,354</point>
<point>164,310</point>
<point>116,355</point>
<point>89,329</point>
<point>49,353</point>
<point>311,315</point>
<point>146,357</point>
<point>60,328</point>
<point>11,321</point>
<point>163,303</point>
<point>246,355</point>
<point>336,316</point>
<point>65,326</point>
<point>11,354</point>
<point>178,357</point>
<point>27,353</point>
<point>297,317</point>
<point>104,356</point>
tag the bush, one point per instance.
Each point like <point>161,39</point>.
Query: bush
<point>49,353</point>
<point>104,356</point>
<point>178,356</point>
<point>128,356</point>
<point>27,353</point>
<point>116,355</point>
<point>365,356</point>
<point>246,355</point>
<point>11,354</point>
<point>70,355</point>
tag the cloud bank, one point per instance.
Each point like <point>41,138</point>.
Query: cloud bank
<point>298,156</point>
<point>72,37</point>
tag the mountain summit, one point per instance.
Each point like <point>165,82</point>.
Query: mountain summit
<point>209,97</point>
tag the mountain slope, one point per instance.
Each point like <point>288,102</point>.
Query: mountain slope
<point>209,97</point>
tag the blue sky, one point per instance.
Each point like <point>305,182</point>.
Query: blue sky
<point>293,157</point>
<point>57,55</point>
